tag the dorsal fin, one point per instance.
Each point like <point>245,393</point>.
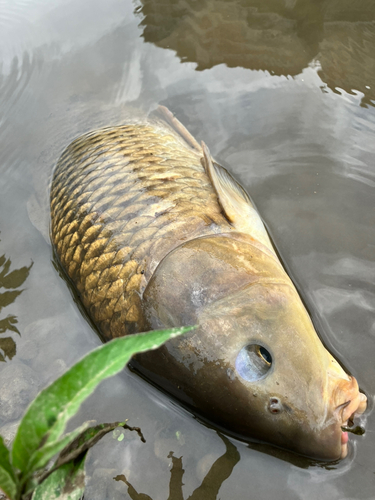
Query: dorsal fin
<point>234,201</point>
<point>179,128</point>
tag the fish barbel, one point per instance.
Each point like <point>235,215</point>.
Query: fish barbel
<point>153,233</point>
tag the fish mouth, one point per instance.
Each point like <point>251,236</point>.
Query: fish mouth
<point>346,412</point>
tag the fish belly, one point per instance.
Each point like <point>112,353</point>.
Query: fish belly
<point>121,199</point>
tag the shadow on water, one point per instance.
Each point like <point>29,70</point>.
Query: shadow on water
<point>220,470</point>
<point>300,461</point>
<point>10,281</point>
<point>279,36</point>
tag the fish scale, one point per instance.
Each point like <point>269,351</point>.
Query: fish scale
<point>121,199</point>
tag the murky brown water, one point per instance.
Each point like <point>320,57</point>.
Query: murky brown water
<point>283,92</point>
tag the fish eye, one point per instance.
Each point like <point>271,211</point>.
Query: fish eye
<point>253,362</point>
<point>265,355</point>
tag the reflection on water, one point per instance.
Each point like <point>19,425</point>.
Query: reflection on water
<point>278,36</point>
<point>220,470</point>
<point>10,281</point>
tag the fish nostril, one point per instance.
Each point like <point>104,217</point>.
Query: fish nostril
<point>275,405</point>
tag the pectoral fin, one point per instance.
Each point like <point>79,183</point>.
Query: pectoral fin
<point>234,201</point>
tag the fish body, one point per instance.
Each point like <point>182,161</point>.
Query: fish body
<point>153,233</point>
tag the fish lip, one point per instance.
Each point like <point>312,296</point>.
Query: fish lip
<point>352,401</point>
<point>351,408</point>
<point>345,413</point>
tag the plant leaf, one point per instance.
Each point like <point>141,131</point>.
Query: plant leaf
<point>79,446</point>
<point>43,455</point>
<point>88,438</point>
<point>65,483</point>
<point>7,477</point>
<point>46,417</point>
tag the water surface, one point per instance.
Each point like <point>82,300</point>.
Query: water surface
<point>283,93</point>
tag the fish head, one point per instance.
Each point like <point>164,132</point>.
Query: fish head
<point>255,365</point>
<point>286,388</point>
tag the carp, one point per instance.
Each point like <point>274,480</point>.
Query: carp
<point>154,233</point>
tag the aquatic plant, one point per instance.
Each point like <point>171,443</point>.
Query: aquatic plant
<point>25,470</point>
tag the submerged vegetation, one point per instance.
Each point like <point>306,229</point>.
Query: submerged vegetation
<point>25,470</point>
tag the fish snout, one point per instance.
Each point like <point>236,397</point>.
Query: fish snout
<point>344,392</point>
<point>346,401</point>
<point>346,397</point>
<point>355,404</point>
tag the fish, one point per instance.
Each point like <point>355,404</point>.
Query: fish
<point>153,233</point>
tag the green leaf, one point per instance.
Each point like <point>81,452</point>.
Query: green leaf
<point>7,477</point>
<point>78,444</point>
<point>86,440</point>
<point>46,417</point>
<point>43,455</point>
<point>4,459</point>
<point>65,483</point>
